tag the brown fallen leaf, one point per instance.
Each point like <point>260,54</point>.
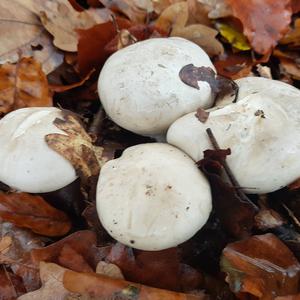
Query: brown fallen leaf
<point>92,42</point>
<point>217,8</point>
<point>160,269</point>
<point>235,213</point>
<point>10,285</point>
<point>51,276</point>
<point>135,10</point>
<point>5,244</point>
<point>76,146</point>
<point>219,85</point>
<point>33,212</point>
<point>198,13</point>
<point>292,38</point>
<point>96,285</point>
<point>295,6</point>
<point>17,256</point>
<point>22,32</point>
<point>252,267</point>
<point>290,68</point>
<point>174,19</point>
<point>264,21</point>
<point>23,84</point>
<point>81,243</point>
<point>61,19</point>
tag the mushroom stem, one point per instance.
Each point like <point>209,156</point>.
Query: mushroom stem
<point>229,173</point>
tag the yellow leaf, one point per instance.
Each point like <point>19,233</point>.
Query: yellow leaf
<point>234,37</point>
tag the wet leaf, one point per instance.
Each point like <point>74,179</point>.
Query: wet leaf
<point>92,42</point>
<point>33,212</point>
<point>22,32</point>
<point>23,84</point>
<point>264,21</point>
<point>219,85</point>
<point>252,267</point>
<point>233,36</point>
<point>77,148</point>
<point>61,19</point>
<point>97,285</point>
<point>236,215</point>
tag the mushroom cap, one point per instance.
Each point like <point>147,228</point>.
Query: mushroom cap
<point>140,88</point>
<point>153,197</point>
<point>262,133</point>
<point>27,163</point>
<point>259,85</point>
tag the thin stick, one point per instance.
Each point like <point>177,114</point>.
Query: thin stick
<point>229,173</point>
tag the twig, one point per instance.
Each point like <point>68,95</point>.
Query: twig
<point>229,173</point>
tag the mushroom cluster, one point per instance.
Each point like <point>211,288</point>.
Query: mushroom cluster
<point>261,129</point>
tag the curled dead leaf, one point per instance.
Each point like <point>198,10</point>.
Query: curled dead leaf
<point>61,19</point>
<point>33,212</point>
<point>22,32</point>
<point>23,84</point>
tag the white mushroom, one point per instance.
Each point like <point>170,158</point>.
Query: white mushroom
<point>140,88</point>
<point>262,131</point>
<point>27,163</point>
<point>153,197</point>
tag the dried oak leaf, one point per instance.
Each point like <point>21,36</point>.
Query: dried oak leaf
<point>76,146</point>
<point>161,269</point>
<point>219,85</point>
<point>236,215</point>
<point>33,212</point>
<point>264,21</point>
<point>135,10</point>
<point>23,84</point>
<point>51,276</point>
<point>22,32</point>
<point>61,19</point>
<point>96,285</point>
<point>261,266</point>
<point>174,20</point>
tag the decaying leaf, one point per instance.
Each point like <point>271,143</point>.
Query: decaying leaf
<point>92,42</point>
<point>22,32</point>
<point>261,266</point>
<point>135,10</point>
<point>61,19</point>
<point>52,287</point>
<point>174,19</point>
<point>23,84</point>
<point>97,285</point>
<point>33,212</point>
<point>76,146</point>
<point>233,36</point>
<point>161,269</point>
<point>77,247</point>
<point>219,85</point>
<point>10,285</point>
<point>262,29</point>
<point>236,215</point>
